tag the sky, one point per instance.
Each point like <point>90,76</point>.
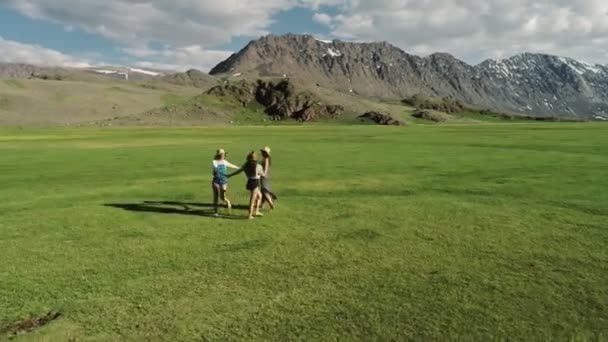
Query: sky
<point>185,34</point>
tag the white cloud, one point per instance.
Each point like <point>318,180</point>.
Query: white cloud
<point>139,51</point>
<point>316,4</point>
<point>191,28</point>
<point>468,29</point>
<point>169,58</point>
<point>322,18</point>
<point>16,52</point>
<point>181,59</point>
<point>177,22</point>
<point>478,30</point>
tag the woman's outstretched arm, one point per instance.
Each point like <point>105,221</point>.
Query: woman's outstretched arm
<point>240,169</point>
<point>232,166</point>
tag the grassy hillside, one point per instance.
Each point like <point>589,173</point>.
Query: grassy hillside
<point>46,102</point>
<point>200,110</point>
<point>214,109</point>
<point>87,99</point>
<point>475,232</point>
<point>103,101</point>
<point>192,78</point>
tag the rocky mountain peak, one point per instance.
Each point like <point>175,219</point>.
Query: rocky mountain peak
<point>527,83</point>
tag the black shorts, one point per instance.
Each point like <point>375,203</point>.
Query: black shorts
<point>253,184</point>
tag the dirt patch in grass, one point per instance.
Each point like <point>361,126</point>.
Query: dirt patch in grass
<point>30,324</point>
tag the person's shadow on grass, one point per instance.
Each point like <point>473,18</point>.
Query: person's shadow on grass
<point>177,208</point>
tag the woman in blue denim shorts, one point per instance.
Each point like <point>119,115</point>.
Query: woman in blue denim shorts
<point>220,179</point>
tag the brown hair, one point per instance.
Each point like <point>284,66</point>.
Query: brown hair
<point>251,164</point>
<point>218,155</point>
<point>265,155</point>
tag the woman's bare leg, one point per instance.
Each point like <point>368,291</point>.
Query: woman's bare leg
<point>261,202</point>
<point>216,195</point>
<point>268,198</point>
<point>224,189</point>
<point>258,195</point>
<point>252,204</point>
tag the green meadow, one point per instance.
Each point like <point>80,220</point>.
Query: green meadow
<point>473,232</point>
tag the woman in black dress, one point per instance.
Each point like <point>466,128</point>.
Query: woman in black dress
<point>267,195</point>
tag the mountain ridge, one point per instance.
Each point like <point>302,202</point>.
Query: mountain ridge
<point>528,83</point>
<point>25,70</point>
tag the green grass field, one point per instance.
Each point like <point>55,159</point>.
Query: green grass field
<point>475,232</point>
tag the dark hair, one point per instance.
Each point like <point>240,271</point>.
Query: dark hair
<point>251,156</point>
<point>251,164</point>
<point>250,168</point>
<point>267,156</point>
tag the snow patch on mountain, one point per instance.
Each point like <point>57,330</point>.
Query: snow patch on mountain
<point>334,52</point>
<point>581,68</point>
<point>105,72</point>
<point>145,72</point>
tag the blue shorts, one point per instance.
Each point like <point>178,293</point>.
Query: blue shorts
<point>220,181</point>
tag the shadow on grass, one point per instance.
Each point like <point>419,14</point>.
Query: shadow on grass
<point>187,205</point>
<point>170,207</point>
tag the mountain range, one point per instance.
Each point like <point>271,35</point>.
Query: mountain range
<point>527,83</point>
<point>531,85</point>
<point>21,70</point>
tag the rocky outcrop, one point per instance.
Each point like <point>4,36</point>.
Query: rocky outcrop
<point>529,84</point>
<point>14,70</point>
<point>430,115</point>
<point>243,92</point>
<point>281,100</point>
<point>380,119</point>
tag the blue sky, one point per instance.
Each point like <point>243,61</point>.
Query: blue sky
<point>74,41</point>
<point>199,33</point>
<point>17,27</point>
<point>77,42</point>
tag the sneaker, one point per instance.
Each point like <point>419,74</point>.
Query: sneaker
<point>216,215</point>
<point>259,214</point>
<point>250,218</point>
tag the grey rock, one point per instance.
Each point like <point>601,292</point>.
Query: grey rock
<point>380,119</point>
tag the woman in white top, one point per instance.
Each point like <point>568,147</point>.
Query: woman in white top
<point>254,172</point>
<point>220,179</point>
